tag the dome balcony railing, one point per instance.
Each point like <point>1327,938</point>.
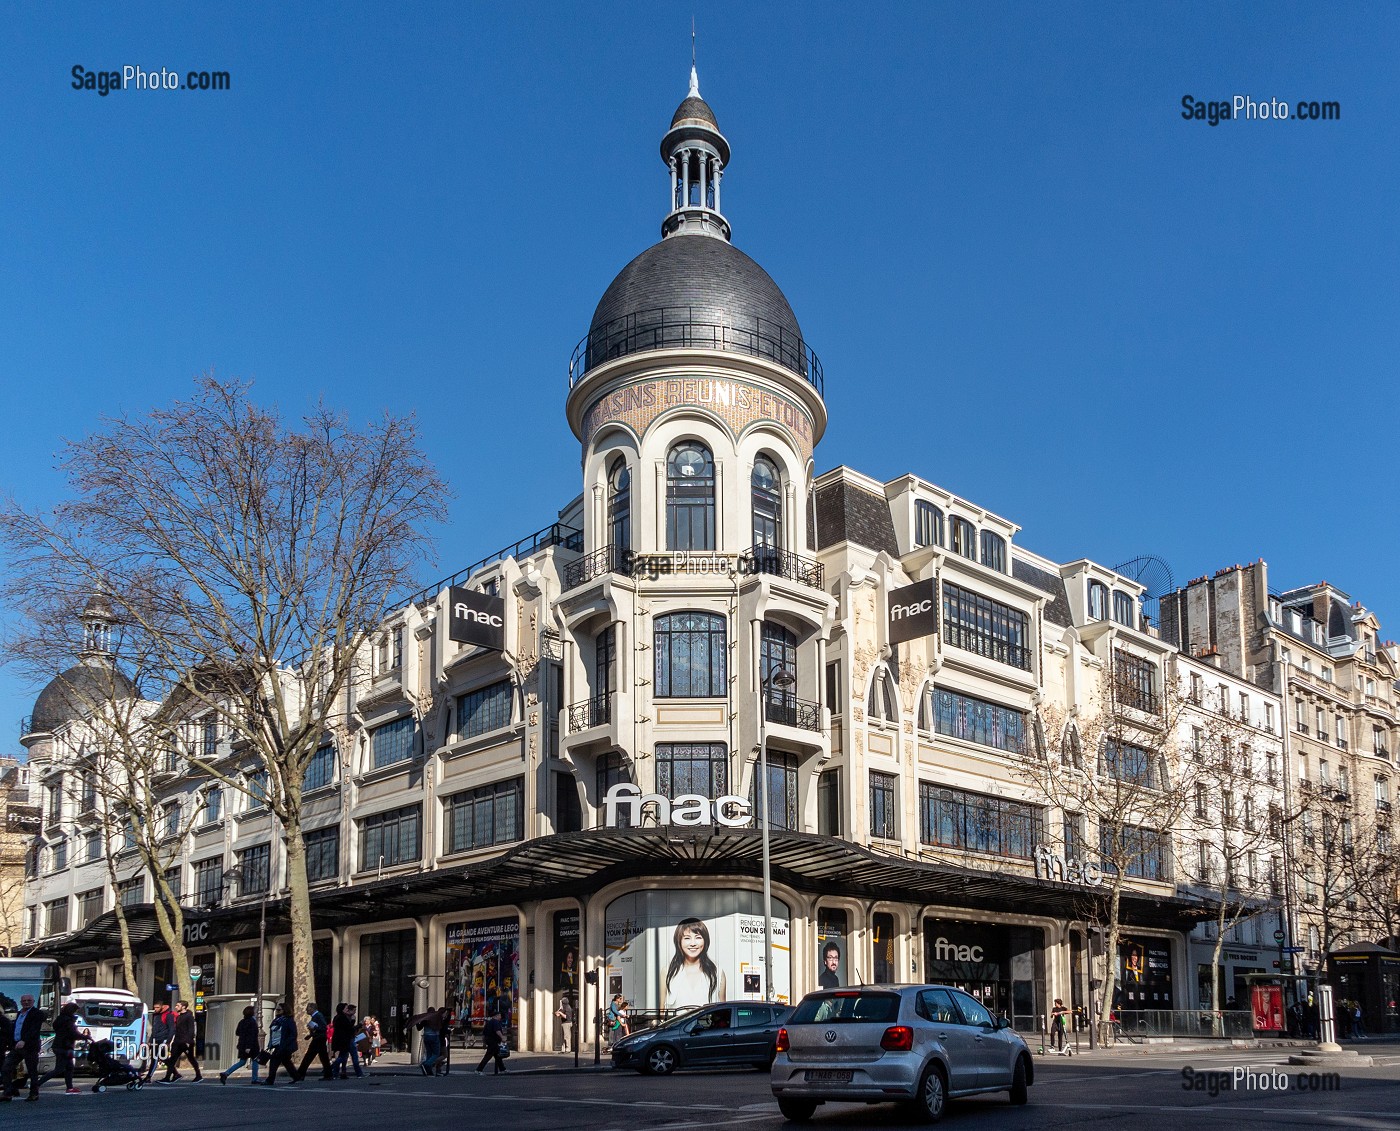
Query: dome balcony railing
<point>678,327</point>
<point>784,564</point>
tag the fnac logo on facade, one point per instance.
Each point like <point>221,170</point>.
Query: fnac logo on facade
<point>476,618</point>
<point>729,809</point>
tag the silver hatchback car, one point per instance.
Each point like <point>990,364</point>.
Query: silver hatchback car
<point>916,1045</point>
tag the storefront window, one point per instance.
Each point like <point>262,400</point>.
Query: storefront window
<point>1003,967</point>
<point>1145,974</point>
<point>672,950</point>
<point>831,948</point>
<point>483,972</point>
<point>882,938</point>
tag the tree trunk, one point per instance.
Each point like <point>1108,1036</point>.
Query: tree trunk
<point>1217,1024</point>
<point>128,961</point>
<point>172,930</point>
<point>299,915</point>
<point>1110,957</point>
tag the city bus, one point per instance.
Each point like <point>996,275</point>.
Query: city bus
<point>39,977</point>
<point>110,1014</point>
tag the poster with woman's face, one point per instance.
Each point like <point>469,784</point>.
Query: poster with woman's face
<point>682,949</point>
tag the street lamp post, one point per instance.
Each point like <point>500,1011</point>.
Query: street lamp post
<point>782,679</point>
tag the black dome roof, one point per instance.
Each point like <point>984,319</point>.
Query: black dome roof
<point>711,278</point>
<point>694,109</point>
<point>73,694</point>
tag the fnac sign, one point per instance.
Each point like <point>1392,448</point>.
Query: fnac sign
<point>476,618</point>
<point>913,612</point>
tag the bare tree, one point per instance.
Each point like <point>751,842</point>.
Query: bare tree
<point>1108,770</point>
<point>245,559</point>
<point>1324,839</point>
<point>1374,869</point>
<point>1232,816</point>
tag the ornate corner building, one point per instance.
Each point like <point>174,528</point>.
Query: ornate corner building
<point>550,763</point>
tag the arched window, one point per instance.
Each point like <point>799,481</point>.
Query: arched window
<point>690,497</point>
<point>620,504</point>
<point>928,524</point>
<point>779,690</point>
<point>883,705</point>
<point>691,656</point>
<point>767,504</point>
<point>994,551</point>
<point>1123,611</point>
<point>1098,600</point>
<point>964,538</point>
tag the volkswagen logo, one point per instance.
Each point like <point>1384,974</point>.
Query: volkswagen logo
<point>830,1036</point>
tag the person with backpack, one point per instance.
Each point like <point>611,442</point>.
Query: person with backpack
<point>281,1046</point>
<point>162,1036</point>
<point>493,1037</point>
<point>246,1034</point>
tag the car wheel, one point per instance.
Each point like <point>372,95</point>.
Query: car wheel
<point>661,1061</point>
<point>1019,1092</point>
<point>797,1111</point>
<point>933,1094</point>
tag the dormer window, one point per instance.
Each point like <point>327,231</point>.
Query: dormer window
<point>994,551</point>
<point>928,524</point>
<point>1098,600</point>
<point>1124,611</point>
<point>964,538</point>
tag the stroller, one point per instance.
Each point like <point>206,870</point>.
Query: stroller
<point>111,1072</point>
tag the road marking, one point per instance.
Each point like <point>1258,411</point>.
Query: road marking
<point>1349,1113</point>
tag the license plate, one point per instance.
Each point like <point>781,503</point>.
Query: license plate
<point>828,1076</point>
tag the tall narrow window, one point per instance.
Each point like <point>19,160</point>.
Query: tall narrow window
<point>1123,611</point>
<point>882,705</point>
<point>1098,600</point>
<point>782,791</point>
<point>767,504</point>
<point>620,504</point>
<point>691,656</point>
<point>778,669</point>
<point>994,551</point>
<point>690,497</point>
<point>883,806</point>
<point>605,662</point>
<point>928,524</point>
<point>611,770</point>
<point>964,538</point>
<point>829,803</point>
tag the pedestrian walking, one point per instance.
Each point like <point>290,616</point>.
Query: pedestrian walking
<point>246,1034</point>
<point>376,1039</point>
<point>183,1046</point>
<point>23,1038</point>
<point>565,1013</point>
<point>281,1046</point>
<point>1358,1025</point>
<point>162,1037</point>
<point>316,1044</point>
<point>66,1036</point>
<point>343,1034</point>
<point>1059,1016</point>
<point>493,1037</point>
<point>430,1024</point>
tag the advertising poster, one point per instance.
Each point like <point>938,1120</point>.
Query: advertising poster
<point>831,951</point>
<point>566,967</point>
<point>483,971</point>
<point>675,950</point>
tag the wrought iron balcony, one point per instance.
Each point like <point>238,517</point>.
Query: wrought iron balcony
<point>609,559</point>
<point>782,563</point>
<point>788,710</point>
<point>678,327</point>
<point>593,712</point>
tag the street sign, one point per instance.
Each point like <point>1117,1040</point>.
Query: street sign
<point>196,972</point>
<point>1278,936</point>
<point>1293,950</point>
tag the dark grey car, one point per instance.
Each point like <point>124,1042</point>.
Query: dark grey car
<point>725,1034</point>
<point>918,1045</point>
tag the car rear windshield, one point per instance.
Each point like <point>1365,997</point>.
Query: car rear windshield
<point>855,1006</point>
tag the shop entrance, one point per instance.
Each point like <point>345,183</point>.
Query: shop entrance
<point>388,965</point>
<point>1001,966</point>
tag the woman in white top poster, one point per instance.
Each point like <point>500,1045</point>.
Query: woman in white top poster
<point>693,979</point>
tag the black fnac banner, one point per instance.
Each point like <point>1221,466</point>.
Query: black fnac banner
<point>476,618</point>
<point>913,612</point>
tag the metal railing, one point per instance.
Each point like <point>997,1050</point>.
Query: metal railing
<point>609,559</point>
<point>788,710</point>
<point>782,563</point>
<point>1135,1024</point>
<point>593,712</point>
<point>989,647</point>
<point>678,327</point>
<point>555,534</point>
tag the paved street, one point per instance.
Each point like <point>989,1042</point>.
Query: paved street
<point>1086,1091</point>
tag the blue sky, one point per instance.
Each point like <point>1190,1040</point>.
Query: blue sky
<point>1027,277</point>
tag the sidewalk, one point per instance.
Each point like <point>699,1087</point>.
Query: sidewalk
<point>1151,1045</point>
<point>464,1061</point>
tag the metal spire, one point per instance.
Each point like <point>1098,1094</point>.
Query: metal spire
<point>694,77</point>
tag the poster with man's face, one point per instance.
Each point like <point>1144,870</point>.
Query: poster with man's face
<point>831,962</point>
